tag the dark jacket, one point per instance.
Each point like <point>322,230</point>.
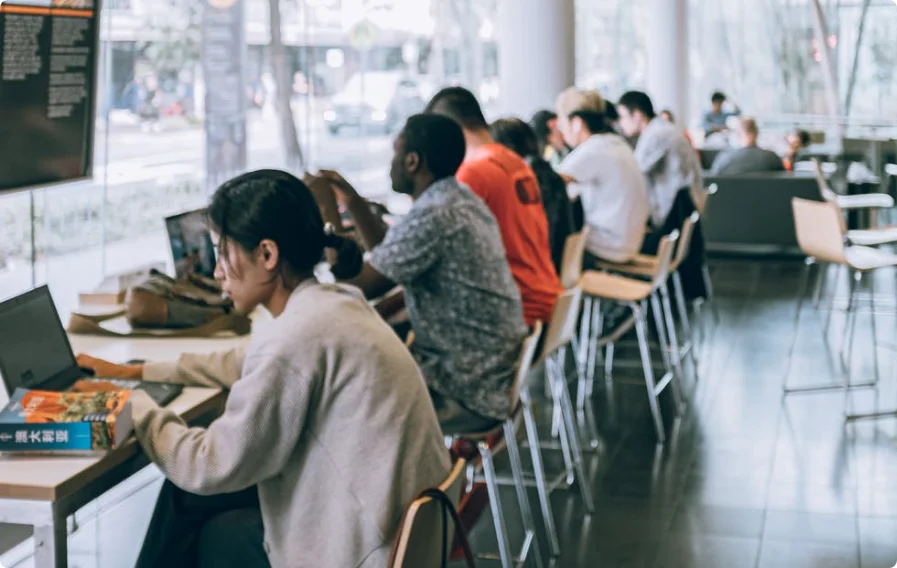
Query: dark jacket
<point>691,270</point>
<point>557,205</point>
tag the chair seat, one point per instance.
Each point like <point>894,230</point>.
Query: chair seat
<point>872,237</point>
<point>613,287</point>
<point>866,258</point>
<point>866,201</point>
<point>465,445</point>
<point>645,260</point>
<point>645,270</point>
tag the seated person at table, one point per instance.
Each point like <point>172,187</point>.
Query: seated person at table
<point>796,142</point>
<point>715,120</point>
<point>749,158</point>
<point>328,433</point>
<point>447,254</point>
<point>511,191</point>
<point>602,170</point>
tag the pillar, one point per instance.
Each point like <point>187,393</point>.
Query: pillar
<point>536,51</point>
<point>667,55</point>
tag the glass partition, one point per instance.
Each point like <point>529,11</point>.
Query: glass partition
<point>354,69</point>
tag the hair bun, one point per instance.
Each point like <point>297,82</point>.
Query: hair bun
<point>349,257</point>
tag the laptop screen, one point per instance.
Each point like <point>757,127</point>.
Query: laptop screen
<point>191,244</point>
<point>34,349</point>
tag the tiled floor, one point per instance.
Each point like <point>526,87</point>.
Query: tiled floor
<point>744,479</point>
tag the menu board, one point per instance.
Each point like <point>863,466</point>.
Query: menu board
<point>47,91</point>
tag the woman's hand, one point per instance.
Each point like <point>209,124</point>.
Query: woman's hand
<point>107,370</point>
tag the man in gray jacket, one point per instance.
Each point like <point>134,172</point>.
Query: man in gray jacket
<point>664,155</point>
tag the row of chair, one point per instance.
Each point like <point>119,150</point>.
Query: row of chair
<point>639,285</point>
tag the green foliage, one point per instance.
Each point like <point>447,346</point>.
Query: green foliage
<point>68,221</point>
<point>177,35</point>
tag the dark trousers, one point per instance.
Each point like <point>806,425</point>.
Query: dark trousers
<point>220,531</point>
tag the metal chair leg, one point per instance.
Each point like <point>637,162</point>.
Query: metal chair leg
<point>645,350</point>
<point>708,285</point>
<point>850,322</point>
<point>675,346</point>
<point>532,436</point>
<point>531,541</point>
<point>819,285</point>
<point>802,295</point>
<point>668,362</point>
<point>501,532</point>
<point>687,330</point>
<point>874,329</point>
<point>563,395</point>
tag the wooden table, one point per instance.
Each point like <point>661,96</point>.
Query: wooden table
<point>44,491</point>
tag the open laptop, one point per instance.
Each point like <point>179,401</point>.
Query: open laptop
<point>35,352</point>
<point>191,244</point>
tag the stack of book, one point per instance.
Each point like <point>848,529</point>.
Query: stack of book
<point>65,422</point>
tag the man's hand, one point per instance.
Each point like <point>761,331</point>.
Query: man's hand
<point>322,190</point>
<point>105,369</point>
<point>345,193</point>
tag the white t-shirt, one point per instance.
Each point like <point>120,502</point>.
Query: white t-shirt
<point>614,195</point>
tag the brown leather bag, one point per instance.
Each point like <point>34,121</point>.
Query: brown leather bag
<point>163,307</point>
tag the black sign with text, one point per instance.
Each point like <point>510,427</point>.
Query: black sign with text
<point>47,92</point>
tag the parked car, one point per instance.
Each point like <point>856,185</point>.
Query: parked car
<point>374,101</point>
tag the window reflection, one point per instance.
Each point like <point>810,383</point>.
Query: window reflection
<point>356,68</point>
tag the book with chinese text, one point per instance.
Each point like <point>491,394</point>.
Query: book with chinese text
<point>64,422</point>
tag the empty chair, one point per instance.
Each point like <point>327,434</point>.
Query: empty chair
<point>819,235</point>
<point>636,294</point>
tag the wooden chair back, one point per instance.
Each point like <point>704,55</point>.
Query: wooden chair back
<point>562,328</point>
<point>419,542</point>
<point>525,363</point>
<point>665,258</point>
<point>688,231</point>
<point>571,263</point>
<point>818,230</point>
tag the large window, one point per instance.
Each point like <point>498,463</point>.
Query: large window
<point>766,54</point>
<point>355,69</point>
<point>611,45</point>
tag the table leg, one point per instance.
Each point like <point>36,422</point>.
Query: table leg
<point>51,544</point>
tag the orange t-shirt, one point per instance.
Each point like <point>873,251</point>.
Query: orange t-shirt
<point>510,189</point>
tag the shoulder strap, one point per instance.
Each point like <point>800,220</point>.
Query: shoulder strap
<point>448,509</point>
<point>91,325</point>
<point>461,532</point>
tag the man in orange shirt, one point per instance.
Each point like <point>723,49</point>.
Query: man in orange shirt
<point>510,189</point>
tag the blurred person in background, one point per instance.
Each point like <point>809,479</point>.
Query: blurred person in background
<point>519,137</point>
<point>748,157</point>
<point>602,169</point>
<point>795,142</point>
<point>716,119</point>
<point>509,187</point>
<point>551,142</point>
<point>663,154</point>
<point>667,115</point>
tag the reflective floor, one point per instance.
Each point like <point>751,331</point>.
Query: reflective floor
<point>744,480</point>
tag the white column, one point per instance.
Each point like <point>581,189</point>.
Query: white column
<point>536,51</point>
<point>667,47</point>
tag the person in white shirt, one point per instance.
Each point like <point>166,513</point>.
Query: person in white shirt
<point>603,172</point>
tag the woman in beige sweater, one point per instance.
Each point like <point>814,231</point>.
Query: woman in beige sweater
<point>329,432</point>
